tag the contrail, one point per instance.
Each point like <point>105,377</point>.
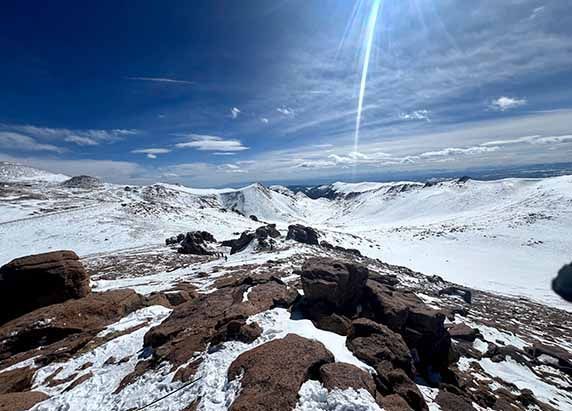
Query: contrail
<point>369,35</point>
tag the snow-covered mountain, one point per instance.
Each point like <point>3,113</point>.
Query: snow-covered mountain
<point>12,172</point>
<point>507,235</point>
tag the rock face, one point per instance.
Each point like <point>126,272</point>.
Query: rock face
<point>21,401</point>
<point>562,284</point>
<point>341,376</point>
<point>335,282</point>
<point>195,243</point>
<point>84,182</point>
<point>273,373</point>
<point>302,234</point>
<point>463,332</point>
<point>375,344</point>
<point>328,246</point>
<point>35,281</point>
<point>216,317</point>
<point>262,233</point>
<point>73,318</point>
<point>239,244</point>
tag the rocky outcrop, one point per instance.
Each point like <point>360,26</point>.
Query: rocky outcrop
<point>71,320</point>
<point>213,318</point>
<point>329,246</point>
<point>332,281</point>
<point>341,376</point>
<point>21,401</point>
<point>376,344</point>
<point>35,281</point>
<point>463,332</point>
<point>83,182</point>
<point>273,373</point>
<point>465,294</point>
<point>262,233</point>
<point>239,244</point>
<point>302,234</point>
<point>195,243</point>
<point>562,284</point>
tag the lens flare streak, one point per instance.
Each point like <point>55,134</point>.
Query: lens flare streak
<point>369,37</point>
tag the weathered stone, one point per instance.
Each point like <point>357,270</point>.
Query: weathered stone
<point>562,284</point>
<point>339,283</point>
<point>21,401</point>
<point>48,325</point>
<point>451,402</point>
<point>375,343</point>
<point>273,373</point>
<point>463,332</point>
<point>16,380</point>
<point>302,234</point>
<point>396,381</point>
<point>35,281</point>
<point>342,376</point>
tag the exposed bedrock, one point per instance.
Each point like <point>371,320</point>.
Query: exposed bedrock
<point>39,280</point>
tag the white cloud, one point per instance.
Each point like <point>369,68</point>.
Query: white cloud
<point>82,137</point>
<point>454,151</point>
<point>264,120</point>
<point>152,151</point>
<point>162,80</point>
<point>507,103</point>
<point>416,115</point>
<point>16,141</point>
<point>151,156</point>
<point>285,110</point>
<point>234,112</point>
<point>537,12</point>
<point>536,139</point>
<point>212,143</point>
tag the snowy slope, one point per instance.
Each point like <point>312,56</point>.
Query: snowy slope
<point>508,236</point>
<point>12,172</point>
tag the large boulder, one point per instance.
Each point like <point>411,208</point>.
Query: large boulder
<point>562,284</point>
<point>273,373</point>
<point>302,234</point>
<point>342,376</point>
<point>262,233</point>
<point>35,281</point>
<point>195,243</point>
<point>375,344</point>
<point>83,182</point>
<point>239,244</point>
<point>338,283</point>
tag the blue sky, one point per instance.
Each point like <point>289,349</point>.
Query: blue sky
<point>212,93</point>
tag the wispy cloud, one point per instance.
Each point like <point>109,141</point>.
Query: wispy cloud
<point>151,152</point>
<point>285,111</point>
<point>16,141</point>
<point>264,120</point>
<point>536,139</point>
<point>212,143</point>
<point>162,80</point>
<point>507,103</point>
<point>416,115</point>
<point>234,112</point>
<point>81,137</point>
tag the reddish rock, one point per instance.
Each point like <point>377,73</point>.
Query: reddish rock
<point>463,332</point>
<point>342,376</point>
<point>396,381</point>
<point>452,402</point>
<point>393,402</point>
<point>16,380</point>
<point>79,319</point>
<point>35,281</point>
<point>193,325</point>
<point>273,373</point>
<point>336,282</point>
<point>375,343</point>
<point>21,401</point>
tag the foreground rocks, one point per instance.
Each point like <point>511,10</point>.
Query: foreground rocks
<point>39,280</point>
<point>273,373</point>
<point>76,320</point>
